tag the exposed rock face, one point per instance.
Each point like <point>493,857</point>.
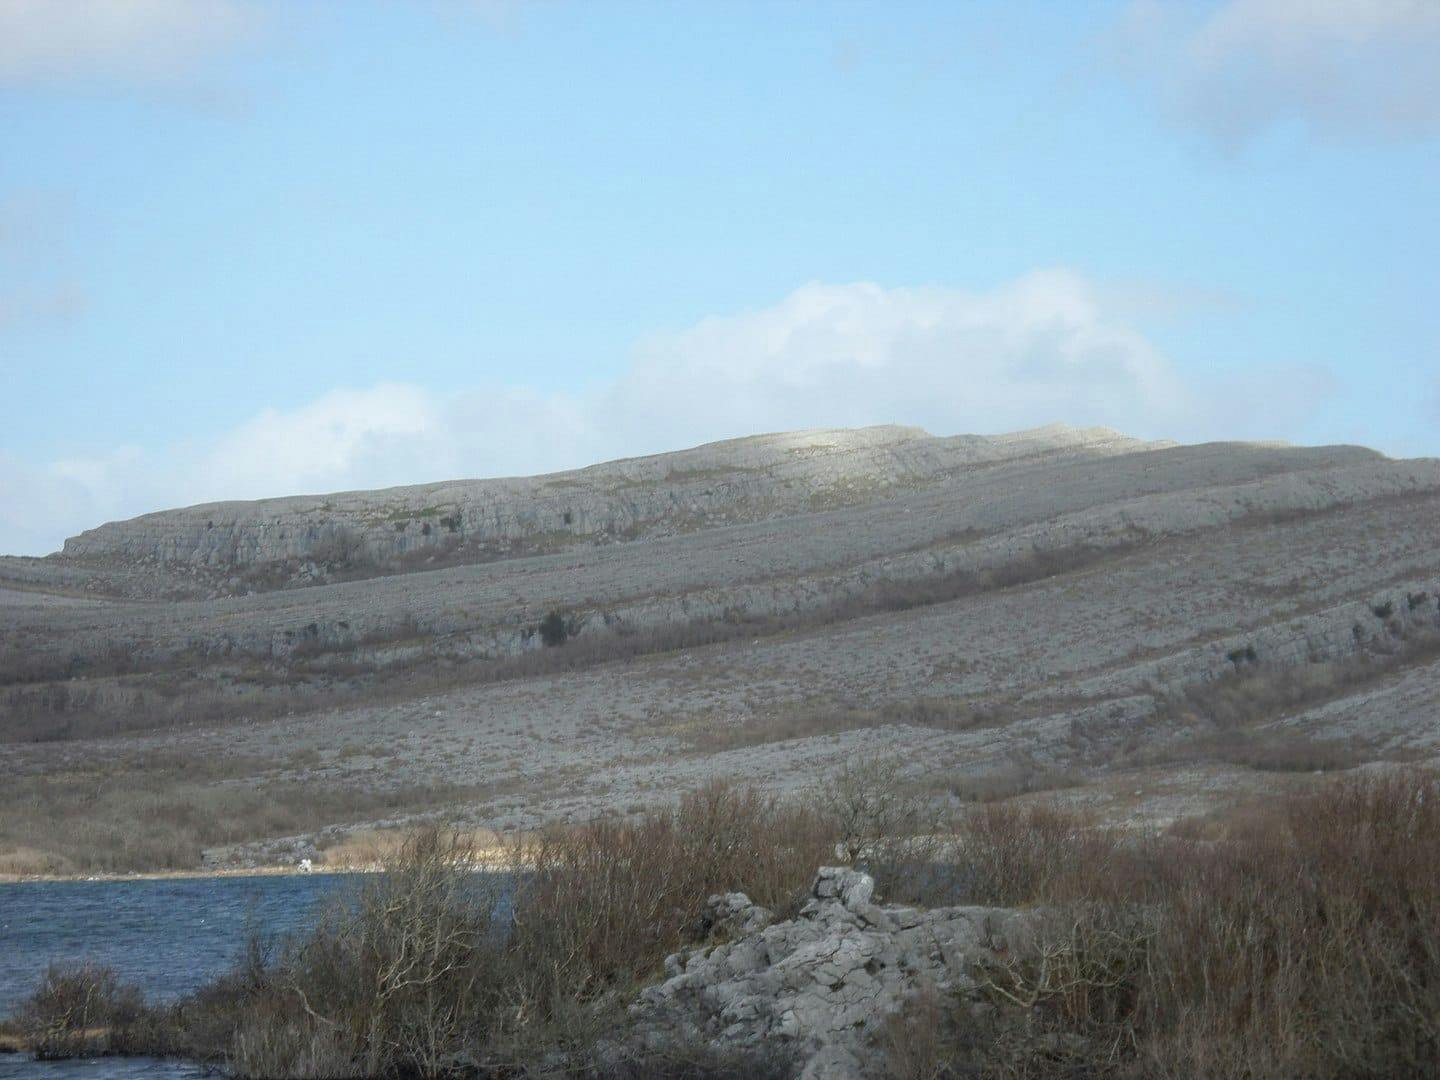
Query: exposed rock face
<point>1052,606</point>
<point>825,981</point>
<point>933,518</point>
<point>741,480</point>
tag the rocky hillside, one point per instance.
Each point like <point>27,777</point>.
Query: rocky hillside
<point>1049,610</point>
<point>240,546</point>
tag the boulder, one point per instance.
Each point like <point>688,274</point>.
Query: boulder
<point>733,915</point>
<point>825,982</point>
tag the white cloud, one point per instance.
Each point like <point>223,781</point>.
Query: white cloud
<point>344,433</point>
<point>1047,346</point>
<point>130,41</point>
<point>1039,348</point>
<point>1345,69</point>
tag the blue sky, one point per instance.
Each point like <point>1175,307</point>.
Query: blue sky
<point>253,248</point>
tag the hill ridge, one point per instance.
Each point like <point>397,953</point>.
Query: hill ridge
<point>301,538</point>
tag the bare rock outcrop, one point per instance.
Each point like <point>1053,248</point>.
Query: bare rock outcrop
<point>823,983</point>
<point>725,483</point>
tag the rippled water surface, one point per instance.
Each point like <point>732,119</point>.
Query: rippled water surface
<point>13,1066</point>
<point>167,936</point>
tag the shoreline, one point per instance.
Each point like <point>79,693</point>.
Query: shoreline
<point>493,862</point>
<point>181,875</point>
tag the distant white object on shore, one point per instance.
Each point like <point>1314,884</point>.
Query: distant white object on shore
<point>306,866</point>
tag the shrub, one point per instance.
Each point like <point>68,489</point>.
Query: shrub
<point>1249,693</point>
<point>687,1059</point>
<point>882,824</point>
<point>77,1011</point>
<point>604,904</point>
<point>870,807</point>
<point>341,548</point>
<point>415,971</point>
<point>1304,941</point>
<point>387,984</point>
<point>554,630</point>
<point>1009,854</point>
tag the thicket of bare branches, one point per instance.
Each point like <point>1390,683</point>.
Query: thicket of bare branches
<point>1300,940</point>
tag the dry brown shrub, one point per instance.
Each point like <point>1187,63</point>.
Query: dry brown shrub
<point>79,1011</point>
<point>1302,941</point>
<point>20,861</point>
<point>924,1040</point>
<point>389,983</point>
<point>1010,854</point>
<point>161,812</point>
<point>599,906</point>
<point>1308,945</point>
<point>1063,1009</point>
<point>411,972</point>
<point>366,849</point>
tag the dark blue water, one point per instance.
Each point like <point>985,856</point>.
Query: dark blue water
<point>16,1067</point>
<point>168,937</point>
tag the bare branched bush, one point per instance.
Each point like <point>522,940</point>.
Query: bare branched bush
<point>389,983</point>
<point>270,1043</point>
<point>598,906</point>
<point>871,806</point>
<point>1012,855</point>
<point>879,821</point>
<point>80,1010</point>
<point>1305,941</point>
<point>885,825</point>
<point>1310,945</point>
<point>434,960</point>
<point>1302,940</point>
<point>683,1059</point>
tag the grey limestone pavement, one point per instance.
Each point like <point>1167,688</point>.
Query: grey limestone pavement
<point>973,605</point>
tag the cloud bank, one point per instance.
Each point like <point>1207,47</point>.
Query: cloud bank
<point>1365,70</point>
<point>1047,346</point>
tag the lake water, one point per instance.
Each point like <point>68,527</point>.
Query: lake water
<point>167,936</point>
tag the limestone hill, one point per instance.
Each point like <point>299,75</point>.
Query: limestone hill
<point>1148,628</point>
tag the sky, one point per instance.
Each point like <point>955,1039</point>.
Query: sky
<point>255,248</point>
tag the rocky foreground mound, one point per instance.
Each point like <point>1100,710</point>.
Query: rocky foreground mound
<point>824,983</point>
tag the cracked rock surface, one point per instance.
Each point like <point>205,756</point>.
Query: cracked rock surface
<point>1030,613</point>
<point>825,981</point>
